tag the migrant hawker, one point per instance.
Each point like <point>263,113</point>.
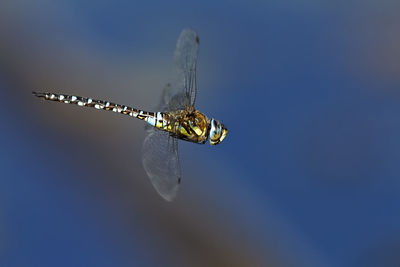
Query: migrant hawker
<point>175,119</point>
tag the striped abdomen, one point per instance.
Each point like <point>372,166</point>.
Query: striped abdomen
<point>157,119</point>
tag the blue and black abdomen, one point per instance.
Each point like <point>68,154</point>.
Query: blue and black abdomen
<point>97,104</point>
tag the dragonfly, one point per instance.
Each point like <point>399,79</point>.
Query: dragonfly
<point>176,118</point>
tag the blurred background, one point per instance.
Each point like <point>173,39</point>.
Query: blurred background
<point>308,175</point>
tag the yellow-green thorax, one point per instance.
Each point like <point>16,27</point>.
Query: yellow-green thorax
<point>185,124</point>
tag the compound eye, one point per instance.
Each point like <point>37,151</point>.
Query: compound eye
<point>215,132</point>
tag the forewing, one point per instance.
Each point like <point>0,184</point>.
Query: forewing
<point>185,58</point>
<point>170,102</point>
<point>161,162</point>
<point>165,98</point>
<point>160,150</point>
<point>178,101</point>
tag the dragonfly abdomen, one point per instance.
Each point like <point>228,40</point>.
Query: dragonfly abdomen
<point>153,118</point>
<point>190,126</point>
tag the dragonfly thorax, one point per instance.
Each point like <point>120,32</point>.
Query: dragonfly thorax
<point>188,125</point>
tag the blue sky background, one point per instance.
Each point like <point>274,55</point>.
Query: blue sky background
<point>309,172</point>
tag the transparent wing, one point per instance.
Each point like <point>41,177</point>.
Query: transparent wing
<point>185,58</point>
<point>161,162</point>
<point>160,150</point>
<point>165,98</point>
<point>178,101</point>
<point>160,154</point>
<point>170,102</point>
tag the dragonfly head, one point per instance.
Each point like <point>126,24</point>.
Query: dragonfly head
<point>217,132</point>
